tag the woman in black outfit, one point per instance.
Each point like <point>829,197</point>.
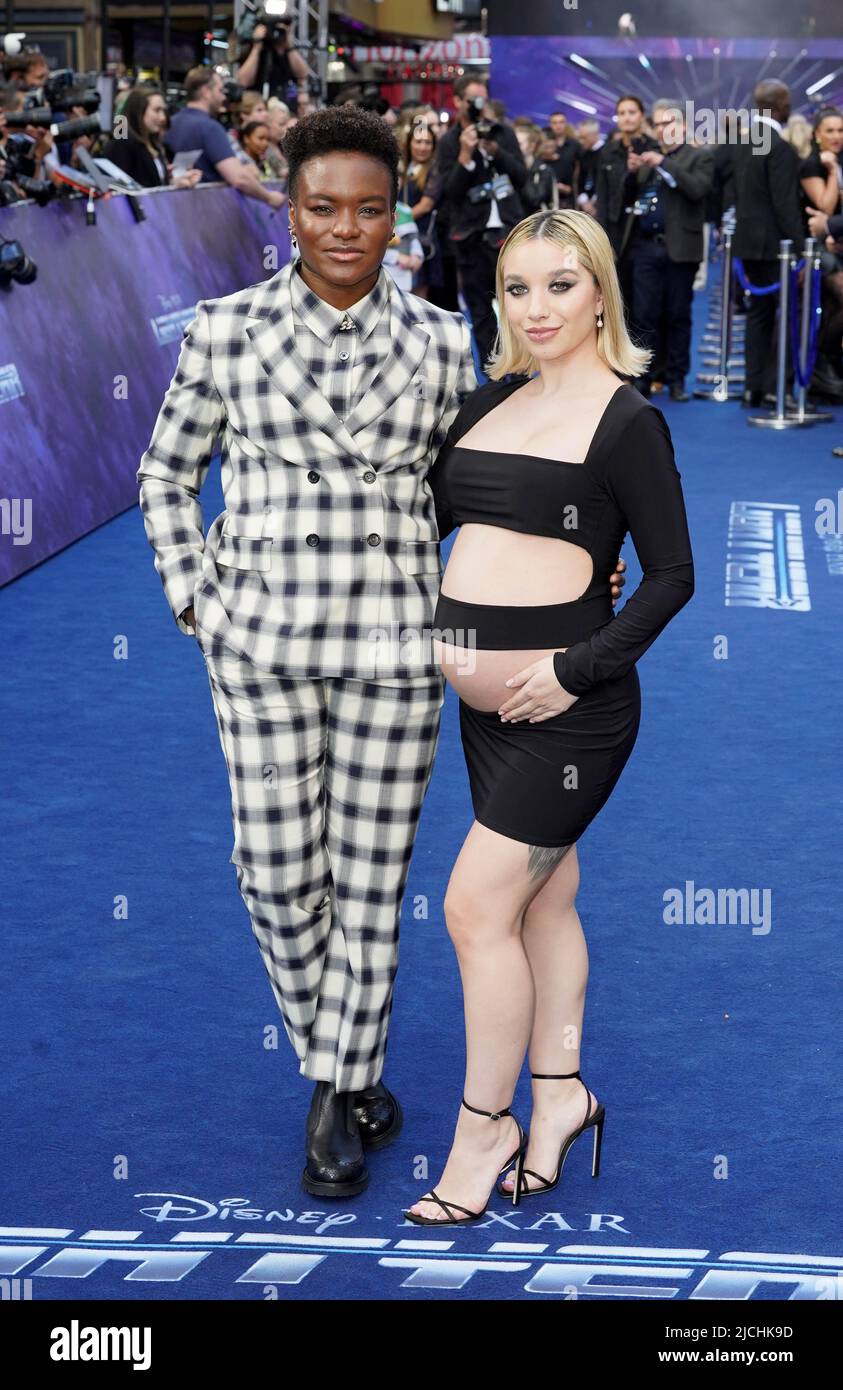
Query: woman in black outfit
<point>139,149</point>
<point>545,475</point>
<point>821,181</point>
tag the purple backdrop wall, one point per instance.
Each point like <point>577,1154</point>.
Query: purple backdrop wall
<point>532,75</point>
<point>88,349</point>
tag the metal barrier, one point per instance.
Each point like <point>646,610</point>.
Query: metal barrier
<point>722,378</point>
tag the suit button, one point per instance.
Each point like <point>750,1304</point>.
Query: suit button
<point>312,539</point>
<point>369,477</point>
<point>312,477</point>
<point>373,539</point>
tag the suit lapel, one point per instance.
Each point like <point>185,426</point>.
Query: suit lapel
<point>409,343</point>
<point>270,331</point>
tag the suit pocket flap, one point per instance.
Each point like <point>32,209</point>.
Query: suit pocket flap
<point>245,552</point>
<point>422,557</point>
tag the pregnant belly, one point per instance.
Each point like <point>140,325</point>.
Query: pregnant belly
<point>479,677</point>
<point>492,565</point>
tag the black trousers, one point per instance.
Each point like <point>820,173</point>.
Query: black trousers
<point>477,259</point>
<point>662,293</point>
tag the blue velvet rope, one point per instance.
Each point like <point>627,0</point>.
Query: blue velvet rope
<point>758,289</point>
<point>804,377</point>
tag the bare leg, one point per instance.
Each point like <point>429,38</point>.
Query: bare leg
<point>556,949</point>
<point>492,882</point>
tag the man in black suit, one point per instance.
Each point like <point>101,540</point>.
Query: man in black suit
<point>480,171</point>
<point>665,244</point>
<point>767,209</point>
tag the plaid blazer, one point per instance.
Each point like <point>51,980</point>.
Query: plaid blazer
<point>325,560</point>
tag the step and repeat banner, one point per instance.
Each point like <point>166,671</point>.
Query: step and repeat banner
<point>88,348</point>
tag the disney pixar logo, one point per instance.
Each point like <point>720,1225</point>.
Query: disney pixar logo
<point>499,1248</point>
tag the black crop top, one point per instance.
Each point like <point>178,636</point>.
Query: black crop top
<point>628,482</point>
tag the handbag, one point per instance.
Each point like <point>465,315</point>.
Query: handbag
<point>427,239</point>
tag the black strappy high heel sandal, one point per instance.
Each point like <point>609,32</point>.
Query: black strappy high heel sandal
<point>517,1158</point>
<point>596,1120</point>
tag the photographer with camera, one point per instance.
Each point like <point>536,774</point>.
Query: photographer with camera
<point>273,61</point>
<point>663,242</point>
<point>619,176</point>
<point>24,148</point>
<point>27,71</point>
<point>480,172</point>
<point>196,127</point>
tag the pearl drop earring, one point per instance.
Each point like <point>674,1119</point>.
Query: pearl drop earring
<point>600,319</point>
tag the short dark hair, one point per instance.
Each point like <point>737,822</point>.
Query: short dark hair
<point>465,79</point>
<point>630,96</point>
<point>196,80</point>
<point>341,128</point>
<point>251,126</point>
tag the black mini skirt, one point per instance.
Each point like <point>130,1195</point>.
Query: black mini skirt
<point>544,783</point>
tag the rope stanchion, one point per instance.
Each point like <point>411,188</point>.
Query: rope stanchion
<point>804,343</point>
<point>779,419</point>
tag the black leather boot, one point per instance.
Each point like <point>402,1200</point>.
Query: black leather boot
<point>378,1116</point>
<point>335,1164</point>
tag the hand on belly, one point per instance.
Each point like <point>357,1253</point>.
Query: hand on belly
<point>492,565</point>
<point>479,676</point>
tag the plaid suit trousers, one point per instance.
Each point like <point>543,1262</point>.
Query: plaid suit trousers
<point>327,781</point>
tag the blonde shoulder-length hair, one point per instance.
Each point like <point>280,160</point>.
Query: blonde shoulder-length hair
<point>579,232</point>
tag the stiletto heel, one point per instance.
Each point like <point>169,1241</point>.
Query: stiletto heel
<point>519,1173</point>
<point>517,1158</point>
<point>594,1121</point>
<point>598,1141</point>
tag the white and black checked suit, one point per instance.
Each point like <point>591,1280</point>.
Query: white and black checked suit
<point>314,592</point>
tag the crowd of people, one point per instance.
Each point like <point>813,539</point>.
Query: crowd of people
<point>659,192</point>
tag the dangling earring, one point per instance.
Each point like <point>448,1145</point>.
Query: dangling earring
<point>600,319</point>
<point>293,241</point>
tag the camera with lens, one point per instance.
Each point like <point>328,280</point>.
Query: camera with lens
<point>66,88</point>
<point>486,129</point>
<point>277,26</point>
<point>20,151</point>
<point>61,92</point>
<point>15,264</point>
<point>233,91</point>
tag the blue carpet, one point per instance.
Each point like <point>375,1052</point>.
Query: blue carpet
<point>152,1144</point>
